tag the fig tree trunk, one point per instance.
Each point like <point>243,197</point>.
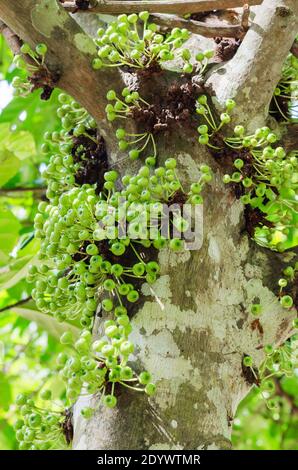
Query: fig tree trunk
<point>193,327</point>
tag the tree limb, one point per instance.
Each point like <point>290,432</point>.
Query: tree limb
<point>160,6</point>
<point>15,192</point>
<point>252,75</point>
<point>16,304</point>
<point>208,30</point>
<point>70,50</point>
<point>11,38</point>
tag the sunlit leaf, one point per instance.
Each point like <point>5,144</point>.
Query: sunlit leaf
<point>33,112</point>
<point>22,144</point>
<point>15,271</point>
<point>9,232</point>
<point>14,146</point>
<point>10,164</point>
<point>7,436</point>
<point>6,395</point>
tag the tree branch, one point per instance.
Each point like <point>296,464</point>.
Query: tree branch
<point>15,192</point>
<point>208,30</point>
<point>11,38</point>
<point>16,304</point>
<point>160,6</point>
<point>252,75</point>
<point>70,50</point>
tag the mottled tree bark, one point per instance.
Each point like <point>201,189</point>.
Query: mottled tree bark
<point>193,326</point>
<point>193,330</point>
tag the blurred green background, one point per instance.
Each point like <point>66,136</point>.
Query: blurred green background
<point>29,340</point>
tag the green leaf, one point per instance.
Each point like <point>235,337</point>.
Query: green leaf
<point>6,395</point>
<point>292,240</point>
<point>14,146</point>
<point>9,233</point>
<point>22,144</point>
<point>15,271</point>
<point>47,322</point>
<point>290,385</point>
<point>7,436</point>
<point>10,165</point>
<point>5,58</point>
<point>17,268</point>
<point>4,134</point>
<point>36,110</point>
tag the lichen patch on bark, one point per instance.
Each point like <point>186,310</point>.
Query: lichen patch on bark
<point>46,16</point>
<point>84,44</point>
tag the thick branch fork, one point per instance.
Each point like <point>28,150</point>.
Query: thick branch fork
<point>160,6</point>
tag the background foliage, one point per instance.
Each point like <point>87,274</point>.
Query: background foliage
<point>29,340</point>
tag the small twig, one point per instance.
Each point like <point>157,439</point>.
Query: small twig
<point>16,304</point>
<point>158,6</point>
<point>245,17</point>
<point>5,192</point>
